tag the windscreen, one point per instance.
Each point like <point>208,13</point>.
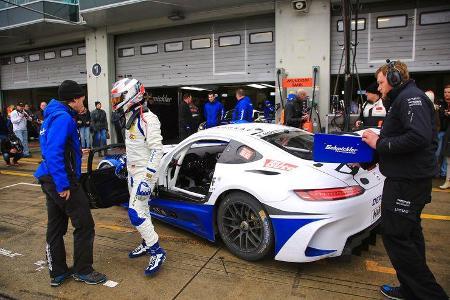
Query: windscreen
<point>297,143</point>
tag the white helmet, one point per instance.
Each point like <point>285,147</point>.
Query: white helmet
<point>126,93</point>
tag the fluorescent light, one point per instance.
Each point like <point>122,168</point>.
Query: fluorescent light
<point>268,85</point>
<point>257,86</point>
<point>224,95</point>
<point>193,88</point>
<point>272,93</point>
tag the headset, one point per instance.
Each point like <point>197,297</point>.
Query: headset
<point>393,75</point>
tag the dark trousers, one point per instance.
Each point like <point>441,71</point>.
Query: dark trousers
<point>119,133</point>
<point>59,212</point>
<point>15,156</point>
<point>402,204</point>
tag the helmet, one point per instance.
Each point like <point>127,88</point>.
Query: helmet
<point>126,93</point>
<point>267,103</point>
<point>291,97</point>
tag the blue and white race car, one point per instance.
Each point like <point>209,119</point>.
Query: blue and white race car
<point>257,187</point>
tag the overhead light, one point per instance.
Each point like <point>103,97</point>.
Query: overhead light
<point>268,85</point>
<point>272,93</point>
<point>193,88</point>
<point>224,95</point>
<point>257,86</point>
<point>176,16</point>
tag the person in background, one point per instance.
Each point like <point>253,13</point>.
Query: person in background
<point>195,114</point>
<point>19,120</point>
<point>83,119</point>
<point>243,111</point>
<point>373,110</point>
<point>100,126</point>
<point>437,122</point>
<point>40,113</point>
<point>118,121</point>
<point>269,111</point>
<point>406,149</point>
<point>11,147</point>
<point>59,176</point>
<point>443,106</point>
<point>295,111</point>
<point>446,138</point>
<point>3,126</point>
<point>187,126</point>
<point>213,111</point>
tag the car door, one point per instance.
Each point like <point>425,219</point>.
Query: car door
<point>103,188</point>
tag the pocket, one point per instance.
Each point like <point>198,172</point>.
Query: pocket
<point>405,198</point>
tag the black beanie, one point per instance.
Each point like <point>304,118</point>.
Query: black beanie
<point>373,89</point>
<point>69,90</point>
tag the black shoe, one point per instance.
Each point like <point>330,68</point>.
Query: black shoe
<point>392,292</point>
<point>58,280</point>
<point>92,278</point>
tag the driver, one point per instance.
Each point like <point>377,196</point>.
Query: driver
<point>144,150</point>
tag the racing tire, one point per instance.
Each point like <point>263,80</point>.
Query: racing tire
<point>245,226</point>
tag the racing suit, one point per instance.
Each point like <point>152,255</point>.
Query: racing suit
<point>143,143</point>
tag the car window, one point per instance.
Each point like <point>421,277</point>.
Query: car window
<point>297,143</point>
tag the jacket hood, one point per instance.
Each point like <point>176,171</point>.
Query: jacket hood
<point>57,106</point>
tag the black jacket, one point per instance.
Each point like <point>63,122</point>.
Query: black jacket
<point>444,120</point>
<point>187,123</point>
<point>12,141</point>
<point>293,113</point>
<point>408,138</point>
<point>98,120</point>
<point>83,120</point>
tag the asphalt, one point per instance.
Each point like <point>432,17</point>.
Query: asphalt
<point>195,268</point>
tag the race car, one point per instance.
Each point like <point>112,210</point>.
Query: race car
<point>256,187</point>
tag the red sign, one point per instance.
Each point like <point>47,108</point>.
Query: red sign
<point>279,165</point>
<point>297,82</point>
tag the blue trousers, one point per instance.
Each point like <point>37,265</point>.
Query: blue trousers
<point>23,137</point>
<point>85,136</point>
<point>100,138</point>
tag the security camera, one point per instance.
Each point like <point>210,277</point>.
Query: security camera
<point>300,5</point>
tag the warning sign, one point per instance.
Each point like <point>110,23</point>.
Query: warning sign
<point>297,82</point>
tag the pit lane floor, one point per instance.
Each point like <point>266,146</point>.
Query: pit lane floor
<point>195,268</point>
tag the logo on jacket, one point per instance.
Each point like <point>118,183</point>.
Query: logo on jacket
<point>345,150</point>
<point>42,131</point>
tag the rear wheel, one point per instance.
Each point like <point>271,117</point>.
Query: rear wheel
<point>244,226</point>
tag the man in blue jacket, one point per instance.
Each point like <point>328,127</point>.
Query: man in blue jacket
<point>243,112</point>
<point>59,174</point>
<point>213,111</point>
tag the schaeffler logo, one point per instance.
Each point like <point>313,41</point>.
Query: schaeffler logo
<point>346,150</point>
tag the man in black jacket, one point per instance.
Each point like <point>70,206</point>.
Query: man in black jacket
<point>187,123</point>
<point>99,126</point>
<point>11,147</point>
<point>406,147</point>
<point>295,111</point>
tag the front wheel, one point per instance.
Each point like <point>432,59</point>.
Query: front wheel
<point>245,227</point>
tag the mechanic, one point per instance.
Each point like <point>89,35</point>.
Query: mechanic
<point>213,111</point>
<point>187,126</point>
<point>294,111</point>
<point>59,174</point>
<point>269,111</point>
<point>373,110</point>
<point>406,147</point>
<point>243,111</point>
<point>143,142</point>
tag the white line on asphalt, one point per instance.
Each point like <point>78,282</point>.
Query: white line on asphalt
<point>8,253</point>
<point>20,183</point>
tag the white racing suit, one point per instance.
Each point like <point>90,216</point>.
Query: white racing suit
<point>144,149</point>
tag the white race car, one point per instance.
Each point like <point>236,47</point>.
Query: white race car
<point>257,186</point>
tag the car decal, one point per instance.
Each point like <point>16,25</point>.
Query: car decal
<point>279,165</point>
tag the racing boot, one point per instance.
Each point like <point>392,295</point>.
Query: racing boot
<point>157,257</point>
<point>139,251</point>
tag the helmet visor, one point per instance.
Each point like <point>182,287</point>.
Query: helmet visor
<point>116,101</point>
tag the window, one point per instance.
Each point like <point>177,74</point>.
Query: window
<point>149,49</point>
<point>125,52</point>
<point>34,57</point>
<point>49,55</point>
<point>435,17</point>
<point>297,143</point>
<point>201,43</point>
<point>5,61</point>
<point>173,46</point>
<point>81,50</point>
<point>261,37</point>
<point>66,52</point>
<point>392,21</point>
<point>361,25</point>
<point>230,40</point>
<point>19,59</point>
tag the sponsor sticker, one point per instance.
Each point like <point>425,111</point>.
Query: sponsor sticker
<point>346,150</point>
<point>246,153</point>
<point>279,165</point>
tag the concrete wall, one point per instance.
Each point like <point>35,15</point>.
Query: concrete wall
<point>302,41</point>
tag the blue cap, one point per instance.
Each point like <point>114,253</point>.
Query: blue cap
<point>291,97</point>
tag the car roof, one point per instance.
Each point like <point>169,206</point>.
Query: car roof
<point>258,130</point>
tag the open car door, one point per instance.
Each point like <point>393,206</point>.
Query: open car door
<point>102,186</point>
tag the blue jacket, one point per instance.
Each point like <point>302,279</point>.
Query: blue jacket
<point>243,112</point>
<point>213,113</point>
<point>60,146</point>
